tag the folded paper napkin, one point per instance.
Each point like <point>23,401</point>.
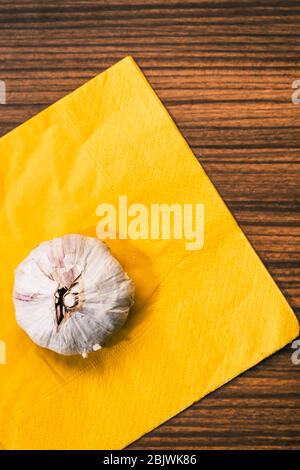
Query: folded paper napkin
<point>201,317</point>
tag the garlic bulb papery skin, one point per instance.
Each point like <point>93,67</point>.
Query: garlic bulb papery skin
<point>71,295</point>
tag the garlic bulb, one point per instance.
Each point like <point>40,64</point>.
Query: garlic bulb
<point>71,295</point>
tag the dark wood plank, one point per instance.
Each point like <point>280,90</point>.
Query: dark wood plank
<point>224,70</point>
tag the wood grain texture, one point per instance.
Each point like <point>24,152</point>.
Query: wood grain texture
<point>224,70</point>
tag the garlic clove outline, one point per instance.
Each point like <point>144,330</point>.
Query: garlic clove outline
<point>71,295</point>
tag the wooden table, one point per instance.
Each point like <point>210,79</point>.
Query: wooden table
<point>224,70</point>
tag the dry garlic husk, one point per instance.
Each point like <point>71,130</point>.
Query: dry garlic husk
<point>71,295</point>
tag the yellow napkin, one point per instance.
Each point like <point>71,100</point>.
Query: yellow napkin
<point>201,317</point>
